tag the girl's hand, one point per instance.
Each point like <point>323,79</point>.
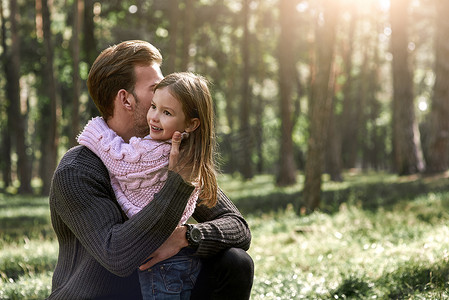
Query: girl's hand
<point>173,160</point>
<point>174,152</point>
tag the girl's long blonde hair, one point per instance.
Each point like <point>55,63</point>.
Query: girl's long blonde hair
<point>198,150</point>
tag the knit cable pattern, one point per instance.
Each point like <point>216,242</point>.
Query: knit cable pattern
<point>137,169</point>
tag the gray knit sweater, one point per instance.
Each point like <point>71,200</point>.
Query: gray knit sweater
<point>100,249</point>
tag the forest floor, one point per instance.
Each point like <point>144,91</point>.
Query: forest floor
<point>376,236</point>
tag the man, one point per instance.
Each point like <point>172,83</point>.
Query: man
<point>100,249</point>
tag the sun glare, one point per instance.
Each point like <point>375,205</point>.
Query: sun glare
<point>302,6</point>
<point>384,4</point>
<point>422,104</point>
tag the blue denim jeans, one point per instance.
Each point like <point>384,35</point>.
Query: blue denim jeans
<point>172,278</point>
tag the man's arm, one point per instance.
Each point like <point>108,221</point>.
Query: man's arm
<point>83,200</point>
<point>222,227</point>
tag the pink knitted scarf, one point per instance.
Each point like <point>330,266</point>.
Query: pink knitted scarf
<point>138,169</point>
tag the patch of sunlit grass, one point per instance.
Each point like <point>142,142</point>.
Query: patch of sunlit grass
<point>353,253</point>
<point>377,237</point>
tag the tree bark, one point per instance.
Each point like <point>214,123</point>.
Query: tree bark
<point>406,142</point>
<point>187,34</point>
<point>320,104</point>
<point>48,125</point>
<point>334,162</point>
<point>438,146</point>
<point>245,166</point>
<point>89,44</point>
<point>375,149</point>
<point>287,76</point>
<point>173,29</point>
<point>78,7</point>
<point>349,117</point>
<point>13,92</point>
<point>258,135</point>
<point>5,146</point>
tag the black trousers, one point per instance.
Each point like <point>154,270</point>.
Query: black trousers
<point>228,275</point>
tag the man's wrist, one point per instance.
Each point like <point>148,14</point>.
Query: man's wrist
<point>193,236</point>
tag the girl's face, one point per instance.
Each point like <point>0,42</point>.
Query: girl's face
<point>165,115</point>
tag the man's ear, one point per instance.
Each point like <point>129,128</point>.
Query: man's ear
<point>193,124</point>
<point>124,99</point>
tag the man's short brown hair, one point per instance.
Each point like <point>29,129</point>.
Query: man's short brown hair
<point>114,70</point>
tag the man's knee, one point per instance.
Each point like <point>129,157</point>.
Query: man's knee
<point>239,261</point>
<point>235,275</point>
<point>227,275</point>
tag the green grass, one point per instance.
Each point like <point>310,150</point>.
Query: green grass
<point>377,236</point>
<point>352,254</point>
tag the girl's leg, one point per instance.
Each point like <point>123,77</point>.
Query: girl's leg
<point>146,284</point>
<point>172,278</point>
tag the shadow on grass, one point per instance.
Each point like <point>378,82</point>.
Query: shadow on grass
<point>411,279</point>
<point>13,228</point>
<point>406,281</point>
<point>19,204</point>
<point>13,267</point>
<point>369,196</point>
<point>17,201</point>
<point>7,223</point>
<point>352,287</point>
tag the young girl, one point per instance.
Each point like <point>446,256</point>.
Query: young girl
<point>138,169</point>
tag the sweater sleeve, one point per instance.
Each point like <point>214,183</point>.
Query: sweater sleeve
<point>84,205</point>
<point>222,227</point>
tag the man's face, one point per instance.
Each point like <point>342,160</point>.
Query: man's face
<point>147,77</point>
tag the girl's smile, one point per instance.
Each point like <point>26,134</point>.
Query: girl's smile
<point>165,115</point>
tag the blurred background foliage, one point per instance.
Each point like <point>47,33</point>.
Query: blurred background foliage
<point>300,86</point>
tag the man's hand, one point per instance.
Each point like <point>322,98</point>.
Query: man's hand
<point>169,248</point>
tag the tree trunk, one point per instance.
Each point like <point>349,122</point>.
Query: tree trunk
<point>13,92</point>
<point>48,126</point>
<point>406,143</point>
<point>258,136</point>
<point>5,146</point>
<point>89,50</point>
<point>259,107</point>
<point>349,118</point>
<point>375,150</point>
<point>363,103</point>
<point>333,151</point>
<point>78,7</point>
<point>245,129</point>
<point>187,34</point>
<point>173,36</point>
<point>438,146</point>
<point>321,105</point>
<point>287,70</point>
<point>232,143</point>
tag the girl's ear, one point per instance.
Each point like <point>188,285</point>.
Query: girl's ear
<point>192,125</point>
